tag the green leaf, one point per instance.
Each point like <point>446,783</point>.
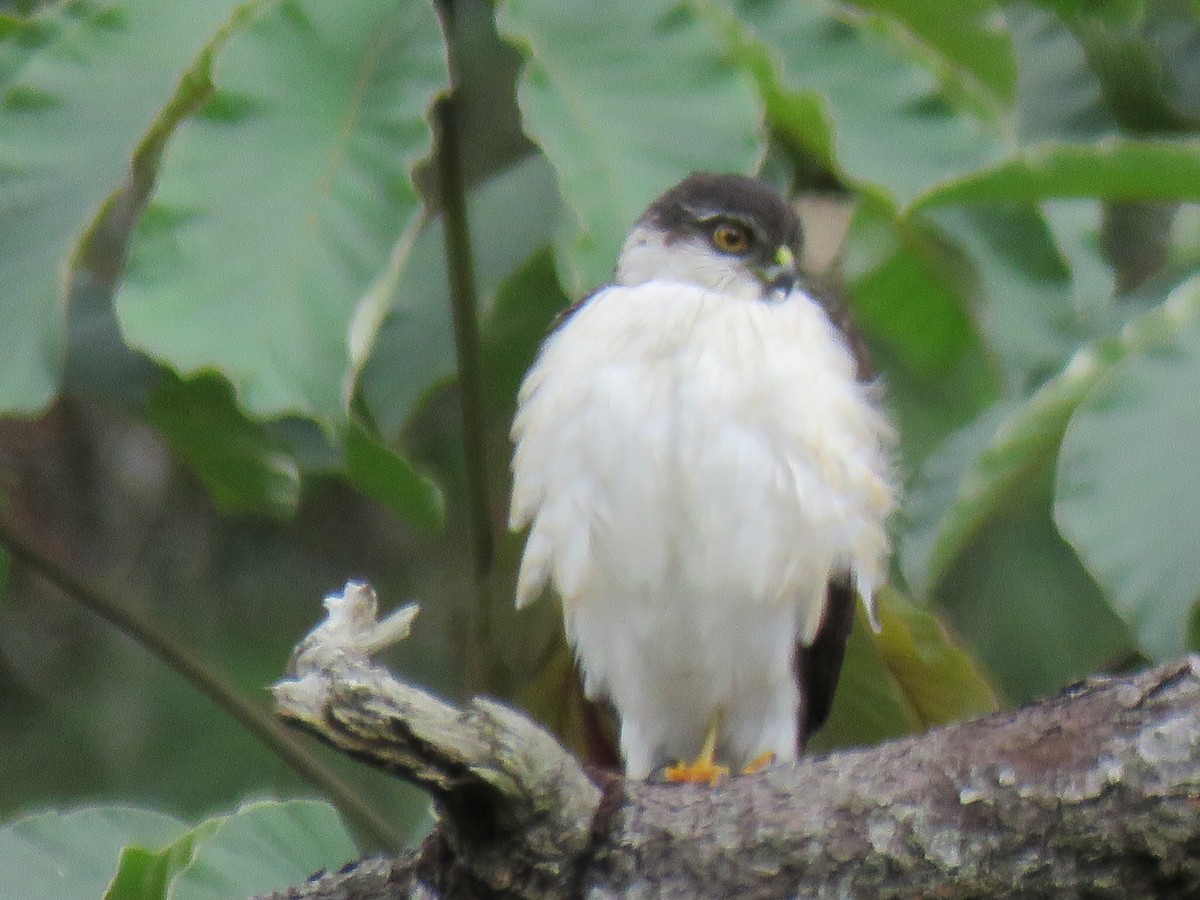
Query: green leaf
<point>1020,289</point>
<point>387,477</point>
<point>146,874</point>
<point>909,301</point>
<point>262,847</point>
<point>284,212</point>
<point>1058,93</point>
<point>940,680</point>
<point>525,308</point>
<point>73,855</point>
<point>869,706</point>
<point>963,484</point>
<point>1077,225</point>
<point>511,215</point>
<point>1112,168</point>
<point>245,468</point>
<point>620,126</point>
<point>967,37</point>
<point>102,82</point>
<point>1128,493</point>
<point>854,99</point>
<point>1035,617</point>
<point>908,677</point>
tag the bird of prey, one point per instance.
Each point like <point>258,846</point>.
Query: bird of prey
<point>705,470</point>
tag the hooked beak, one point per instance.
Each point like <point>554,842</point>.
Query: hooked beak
<point>781,275</point>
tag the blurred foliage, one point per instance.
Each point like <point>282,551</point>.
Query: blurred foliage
<point>230,366</point>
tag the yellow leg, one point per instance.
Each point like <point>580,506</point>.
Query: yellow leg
<point>759,762</point>
<point>703,769</point>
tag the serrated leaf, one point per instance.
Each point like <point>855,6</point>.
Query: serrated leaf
<point>262,847</point>
<point>389,478</point>
<point>76,110</point>
<point>838,87</point>
<point>243,466</point>
<point>74,855</point>
<point>622,127</point>
<point>1128,495</point>
<point>285,209</point>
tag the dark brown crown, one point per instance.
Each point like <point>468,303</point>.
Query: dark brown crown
<point>683,210</point>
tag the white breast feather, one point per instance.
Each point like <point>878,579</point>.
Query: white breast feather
<point>694,468</point>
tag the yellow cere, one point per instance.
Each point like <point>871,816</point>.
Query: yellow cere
<point>784,256</point>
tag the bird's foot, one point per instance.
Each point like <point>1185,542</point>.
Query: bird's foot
<point>759,763</point>
<point>701,770</point>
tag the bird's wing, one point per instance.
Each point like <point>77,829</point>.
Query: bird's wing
<point>819,664</point>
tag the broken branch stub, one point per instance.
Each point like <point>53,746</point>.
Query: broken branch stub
<point>511,799</point>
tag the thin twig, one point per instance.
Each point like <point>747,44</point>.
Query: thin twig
<point>197,671</point>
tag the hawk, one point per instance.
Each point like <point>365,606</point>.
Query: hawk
<point>706,472</point>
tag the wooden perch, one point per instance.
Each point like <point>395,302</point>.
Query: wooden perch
<point>1094,792</point>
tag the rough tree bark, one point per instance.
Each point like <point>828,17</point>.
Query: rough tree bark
<point>1095,792</point>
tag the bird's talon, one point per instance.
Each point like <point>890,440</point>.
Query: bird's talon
<point>699,771</point>
<point>759,763</point>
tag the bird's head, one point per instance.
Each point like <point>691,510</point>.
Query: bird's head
<point>725,232</point>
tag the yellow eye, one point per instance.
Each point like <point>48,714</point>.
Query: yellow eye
<point>729,237</point>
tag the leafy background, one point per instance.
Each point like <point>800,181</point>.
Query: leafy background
<point>267,300</point>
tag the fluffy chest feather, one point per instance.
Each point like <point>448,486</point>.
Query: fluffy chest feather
<point>694,468</point>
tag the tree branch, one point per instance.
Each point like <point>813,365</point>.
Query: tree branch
<point>1094,792</point>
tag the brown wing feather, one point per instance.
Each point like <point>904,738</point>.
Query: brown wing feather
<point>818,666</point>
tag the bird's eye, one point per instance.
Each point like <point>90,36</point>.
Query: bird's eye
<point>730,237</point>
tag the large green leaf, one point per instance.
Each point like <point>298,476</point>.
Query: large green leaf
<point>910,303</point>
<point>511,215</point>
<point>625,98</point>
<point>1030,611</point>
<point>74,855</point>
<point>966,37</point>
<point>940,680</point>
<point>265,846</point>
<point>1128,496</point>
<point>525,308</point>
<point>102,83</point>
<point>1058,94</point>
<point>1077,228</point>
<point>1115,168</point>
<point>1019,286</point>
<point>964,483</point>
<point>244,467</point>
<point>855,99</point>
<point>284,212</point>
